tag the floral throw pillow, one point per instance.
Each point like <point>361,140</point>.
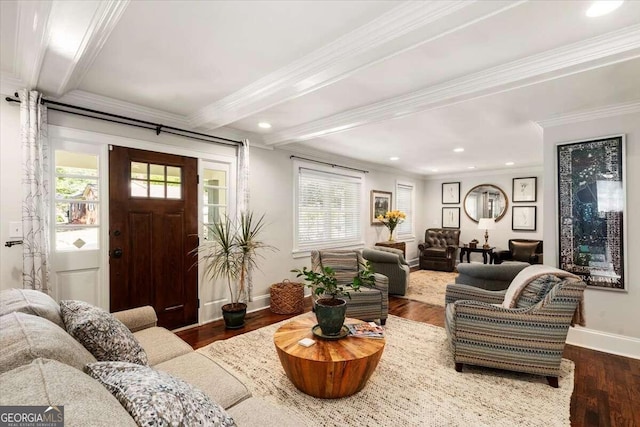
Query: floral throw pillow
<point>155,398</point>
<point>103,335</point>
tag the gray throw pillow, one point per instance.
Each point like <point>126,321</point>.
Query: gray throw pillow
<point>103,335</point>
<point>155,398</point>
<point>536,290</point>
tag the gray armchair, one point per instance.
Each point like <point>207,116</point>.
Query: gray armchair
<point>370,303</point>
<point>527,336</point>
<point>488,276</point>
<point>391,263</point>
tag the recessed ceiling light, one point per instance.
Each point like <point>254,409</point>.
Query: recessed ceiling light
<point>471,167</point>
<point>509,164</point>
<point>394,158</point>
<point>434,170</point>
<point>599,8</point>
<point>264,125</point>
<point>458,150</point>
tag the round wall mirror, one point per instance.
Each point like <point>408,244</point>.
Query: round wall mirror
<point>485,201</point>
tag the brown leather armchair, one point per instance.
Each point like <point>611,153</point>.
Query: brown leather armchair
<point>524,250</point>
<point>438,252</point>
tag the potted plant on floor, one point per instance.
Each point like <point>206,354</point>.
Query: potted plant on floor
<point>330,308</point>
<point>230,253</point>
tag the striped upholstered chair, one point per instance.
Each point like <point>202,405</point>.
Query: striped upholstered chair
<point>371,303</point>
<point>391,263</point>
<point>527,333</point>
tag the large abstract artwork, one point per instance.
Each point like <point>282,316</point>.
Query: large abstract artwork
<point>591,198</point>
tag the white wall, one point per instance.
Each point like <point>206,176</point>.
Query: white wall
<point>468,228</point>
<point>607,312</point>
<point>10,192</point>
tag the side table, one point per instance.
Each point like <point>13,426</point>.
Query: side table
<point>485,251</point>
<point>395,245</point>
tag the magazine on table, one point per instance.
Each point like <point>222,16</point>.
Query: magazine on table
<point>366,330</point>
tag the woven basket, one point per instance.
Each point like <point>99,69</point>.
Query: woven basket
<point>287,297</point>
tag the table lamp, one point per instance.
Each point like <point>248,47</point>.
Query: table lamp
<point>486,224</point>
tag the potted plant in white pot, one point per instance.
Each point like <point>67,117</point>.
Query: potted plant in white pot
<point>331,308</point>
<point>229,253</point>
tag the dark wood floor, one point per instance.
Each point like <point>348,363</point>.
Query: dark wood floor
<point>606,391</point>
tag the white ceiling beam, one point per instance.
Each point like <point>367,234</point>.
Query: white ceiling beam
<point>404,27</point>
<point>97,32</point>
<point>632,107</point>
<point>31,41</point>
<point>616,46</point>
<point>77,32</point>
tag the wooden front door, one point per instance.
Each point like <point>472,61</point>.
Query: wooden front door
<point>153,227</point>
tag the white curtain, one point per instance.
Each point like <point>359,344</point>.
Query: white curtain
<point>243,200</point>
<point>35,188</point>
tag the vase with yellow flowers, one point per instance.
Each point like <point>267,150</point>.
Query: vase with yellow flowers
<point>391,220</point>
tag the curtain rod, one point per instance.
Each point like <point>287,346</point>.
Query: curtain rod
<point>329,164</point>
<point>157,127</point>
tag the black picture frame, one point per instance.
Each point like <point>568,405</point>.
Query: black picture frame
<point>450,193</point>
<point>523,218</point>
<point>380,204</point>
<point>524,189</point>
<point>592,210</point>
<point>451,218</point>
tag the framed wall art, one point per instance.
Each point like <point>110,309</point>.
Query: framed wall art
<point>450,217</point>
<point>591,211</point>
<point>450,193</point>
<point>524,189</point>
<point>523,218</point>
<point>380,204</point>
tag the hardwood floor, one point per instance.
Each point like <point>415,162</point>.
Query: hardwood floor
<point>606,391</point>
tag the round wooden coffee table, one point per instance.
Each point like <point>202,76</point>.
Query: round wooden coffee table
<point>327,369</point>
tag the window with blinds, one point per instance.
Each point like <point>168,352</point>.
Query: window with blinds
<point>328,208</point>
<point>404,203</point>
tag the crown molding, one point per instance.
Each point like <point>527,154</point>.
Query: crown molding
<point>380,39</point>
<point>103,22</point>
<point>115,106</point>
<point>616,46</point>
<point>506,170</point>
<point>632,107</point>
<point>31,40</point>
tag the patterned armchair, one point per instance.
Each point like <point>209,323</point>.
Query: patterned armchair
<point>438,252</point>
<point>391,263</point>
<point>370,303</point>
<point>528,335</point>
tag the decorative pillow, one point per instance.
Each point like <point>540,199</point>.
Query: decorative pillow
<point>536,290</point>
<point>24,337</point>
<point>103,335</point>
<point>156,398</point>
<point>31,302</point>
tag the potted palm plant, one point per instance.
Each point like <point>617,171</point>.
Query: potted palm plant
<point>230,253</point>
<point>331,308</point>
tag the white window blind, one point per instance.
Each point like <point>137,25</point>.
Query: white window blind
<point>328,208</point>
<point>404,203</point>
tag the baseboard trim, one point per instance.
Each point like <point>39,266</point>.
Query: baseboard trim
<point>604,341</point>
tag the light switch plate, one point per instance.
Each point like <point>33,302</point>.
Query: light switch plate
<point>15,230</point>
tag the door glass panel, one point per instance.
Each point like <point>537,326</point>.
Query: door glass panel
<point>156,189</point>
<point>156,181</point>
<point>68,163</point>
<point>156,172</point>
<point>77,201</point>
<point>216,178</point>
<point>139,171</point>
<point>174,190</point>
<point>174,174</point>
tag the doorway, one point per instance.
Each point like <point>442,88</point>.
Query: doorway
<point>153,229</point>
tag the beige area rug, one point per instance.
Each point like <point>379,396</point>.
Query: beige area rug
<point>428,286</point>
<point>415,384</point>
